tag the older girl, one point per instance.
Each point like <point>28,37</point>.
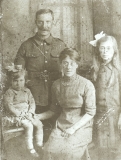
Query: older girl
<point>107,81</point>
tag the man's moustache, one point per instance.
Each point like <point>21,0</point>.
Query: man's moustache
<point>44,30</point>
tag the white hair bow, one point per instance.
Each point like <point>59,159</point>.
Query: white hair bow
<point>97,37</point>
<point>14,68</point>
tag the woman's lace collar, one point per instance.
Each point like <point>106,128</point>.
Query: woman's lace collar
<point>68,80</point>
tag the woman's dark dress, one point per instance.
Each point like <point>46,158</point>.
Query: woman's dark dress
<point>69,96</point>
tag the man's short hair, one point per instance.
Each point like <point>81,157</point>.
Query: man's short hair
<point>44,11</point>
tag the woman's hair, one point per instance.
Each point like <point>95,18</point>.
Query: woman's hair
<point>97,60</point>
<point>18,74</point>
<point>72,53</point>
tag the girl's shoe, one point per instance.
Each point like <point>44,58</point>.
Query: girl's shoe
<point>34,153</point>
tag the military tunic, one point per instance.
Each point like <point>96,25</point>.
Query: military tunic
<point>40,58</point>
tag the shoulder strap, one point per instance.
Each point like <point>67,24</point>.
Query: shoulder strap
<point>37,46</point>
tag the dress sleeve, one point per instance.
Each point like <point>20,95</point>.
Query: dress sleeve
<point>89,99</point>
<point>55,107</point>
<point>8,103</point>
<point>20,57</point>
<point>31,100</point>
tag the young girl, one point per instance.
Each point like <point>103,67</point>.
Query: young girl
<point>20,106</point>
<point>107,79</point>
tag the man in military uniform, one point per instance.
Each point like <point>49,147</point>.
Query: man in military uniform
<point>39,55</point>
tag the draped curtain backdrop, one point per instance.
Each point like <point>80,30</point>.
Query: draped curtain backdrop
<point>73,24</point>
<point>107,18</point>
<point>76,22</point>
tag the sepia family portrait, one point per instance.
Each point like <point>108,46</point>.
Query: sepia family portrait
<point>60,80</point>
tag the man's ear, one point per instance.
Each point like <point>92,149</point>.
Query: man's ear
<point>35,30</point>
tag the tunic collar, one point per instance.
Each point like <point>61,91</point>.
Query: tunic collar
<point>47,40</point>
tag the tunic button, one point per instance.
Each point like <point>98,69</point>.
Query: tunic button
<point>44,43</point>
<point>45,61</point>
<point>46,52</point>
<point>41,44</point>
<point>45,71</point>
<point>45,80</point>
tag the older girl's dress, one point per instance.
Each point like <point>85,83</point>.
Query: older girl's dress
<point>108,107</point>
<point>73,97</point>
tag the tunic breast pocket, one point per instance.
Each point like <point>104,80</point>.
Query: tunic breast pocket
<point>32,54</point>
<point>35,61</point>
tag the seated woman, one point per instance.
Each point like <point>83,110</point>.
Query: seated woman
<point>73,130</point>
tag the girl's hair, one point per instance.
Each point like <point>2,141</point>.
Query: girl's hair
<point>18,74</point>
<point>97,60</point>
<point>72,53</point>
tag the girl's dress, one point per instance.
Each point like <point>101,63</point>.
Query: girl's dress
<point>73,97</point>
<point>22,101</point>
<point>108,107</point>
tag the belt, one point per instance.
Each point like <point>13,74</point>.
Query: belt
<point>44,75</point>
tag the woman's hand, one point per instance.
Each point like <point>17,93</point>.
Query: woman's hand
<point>70,131</point>
<point>67,132</point>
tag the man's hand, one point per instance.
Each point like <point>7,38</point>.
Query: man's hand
<point>28,116</point>
<point>34,119</point>
<point>37,116</point>
<point>19,123</point>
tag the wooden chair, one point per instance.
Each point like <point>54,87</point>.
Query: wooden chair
<point>11,132</point>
